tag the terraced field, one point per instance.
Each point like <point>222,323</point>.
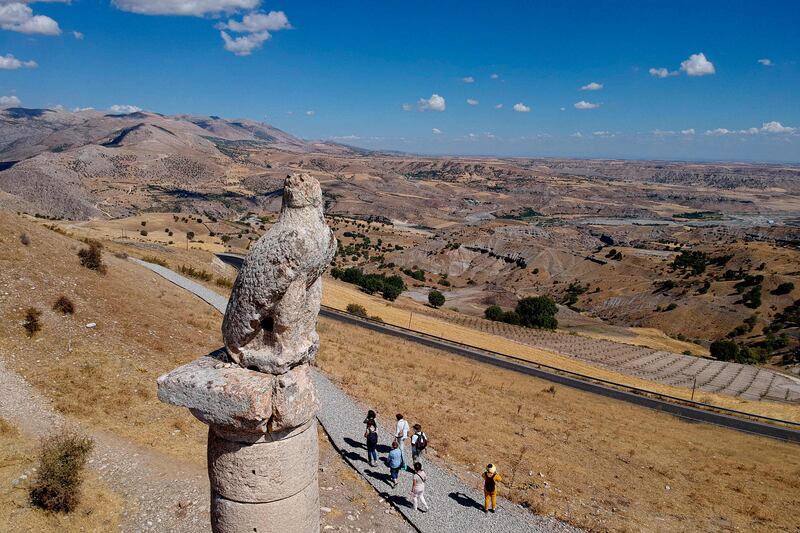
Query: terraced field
<point>732,379</point>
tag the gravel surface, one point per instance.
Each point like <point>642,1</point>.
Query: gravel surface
<point>454,506</point>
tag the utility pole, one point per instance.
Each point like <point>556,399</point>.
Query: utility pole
<point>694,385</point>
<point>410,314</point>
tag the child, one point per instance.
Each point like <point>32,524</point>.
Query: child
<point>372,444</point>
<point>394,462</point>
<point>418,487</point>
<point>419,441</point>
<point>490,480</point>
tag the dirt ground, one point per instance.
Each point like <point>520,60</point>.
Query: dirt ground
<point>99,506</point>
<point>594,462</point>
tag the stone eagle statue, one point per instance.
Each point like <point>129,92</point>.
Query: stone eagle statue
<point>270,321</point>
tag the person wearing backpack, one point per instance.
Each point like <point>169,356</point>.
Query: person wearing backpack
<point>371,419</point>
<point>372,444</point>
<point>490,480</point>
<point>395,462</point>
<point>418,487</point>
<point>419,441</point>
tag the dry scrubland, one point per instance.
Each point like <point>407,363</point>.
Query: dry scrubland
<point>106,375</point>
<point>338,295</point>
<point>99,506</point>
<point>604,465</point>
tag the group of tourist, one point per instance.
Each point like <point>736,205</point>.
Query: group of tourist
<point>396,461</point>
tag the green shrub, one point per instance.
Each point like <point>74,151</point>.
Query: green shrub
<point>61,462</point>
<point>156,260</point>
<point>195,273</point>
<point>143,233</point>
<point>494,312</point>
<point>223,282</point>
<point>783,288</point>
<point>436,299</point>
<point>537,312</point>
<point>724,350</point>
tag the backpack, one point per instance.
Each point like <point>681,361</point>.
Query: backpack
<point>372,438</point>
<point>422,441</point>
<point>489,484</point>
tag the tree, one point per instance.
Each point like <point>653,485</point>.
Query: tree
<point>436,299</point>
<point>783,288</point>
<point>189,237</point>
<point>494,312</point>
<point>724,350</point>
<point>537,312</point>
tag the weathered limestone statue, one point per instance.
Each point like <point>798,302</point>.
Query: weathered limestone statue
<point>259,401</point>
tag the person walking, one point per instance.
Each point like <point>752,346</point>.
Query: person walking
<point>419,441</point>
<point>395,462</point>
<point>372,444</point>
<point>418,487</point>
<point>490,480</point>
<point>401,434</point>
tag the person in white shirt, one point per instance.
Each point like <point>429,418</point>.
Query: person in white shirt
<point>401,434</point>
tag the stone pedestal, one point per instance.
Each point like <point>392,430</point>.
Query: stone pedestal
<point>262,467</point>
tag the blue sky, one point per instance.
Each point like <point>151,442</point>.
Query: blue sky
<point>366,73</point>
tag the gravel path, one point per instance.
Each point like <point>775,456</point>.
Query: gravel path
<point>160,493</point>
<point>454,506</point>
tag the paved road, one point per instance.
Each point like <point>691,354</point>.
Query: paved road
<point>454,506</point>
<point>791,434</point>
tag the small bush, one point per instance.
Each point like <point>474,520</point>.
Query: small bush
<point>61,462</point>
<point>783,288</point>
<point>724,350</point>
<point>358,310</point>
<point>143,233</point>
<point>92,257</point>
<point>436,299</point>
<point>144,223</point>
<point>155,260</point>
<point>195,273</point>
<point>64,306</point>
<point>24,239</point>
<point>32,324</point>
<point>121,255</point>
<point>671,307</point>
<point>494,312</point>
<point>376,318</point>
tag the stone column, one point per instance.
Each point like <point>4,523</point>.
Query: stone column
<point>257,395</point>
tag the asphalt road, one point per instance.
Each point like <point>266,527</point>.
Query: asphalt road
<point>688,412</point>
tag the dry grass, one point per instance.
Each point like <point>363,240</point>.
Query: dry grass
<point>594,462</point>
<point>104,375</point>
<point>339,295</point>
<point>99,509</point>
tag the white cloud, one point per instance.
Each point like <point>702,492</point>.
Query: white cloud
<point>770,128</point>
<point>193,8</point>
<point>16,16</point>
<point>10,101</point>
<point>577,135</point>
<point>776,127</point>
<point>494,76</point>
<point>472,101</point>
<point>521,108</point>
<point>562,108</point>
<point>663,133</point>
<point>593,86</point>
<point>689,131</point>
<point>244,44</point>
<point>766,62</point>
<point>585,105</point>
<point>499,106</point>
<point>79,109</point>
<point>434,103</point>
<point>468,79</point>
<point>258,22</point>
<point>78,35</point>
<point>601,134</point>
<point>407,107</point>
<point>9,62</point>
<point>697,65</point>
<point>436,131</point>
<point>310,113</point>
<point>661,72</point>
<point>124,108</point>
